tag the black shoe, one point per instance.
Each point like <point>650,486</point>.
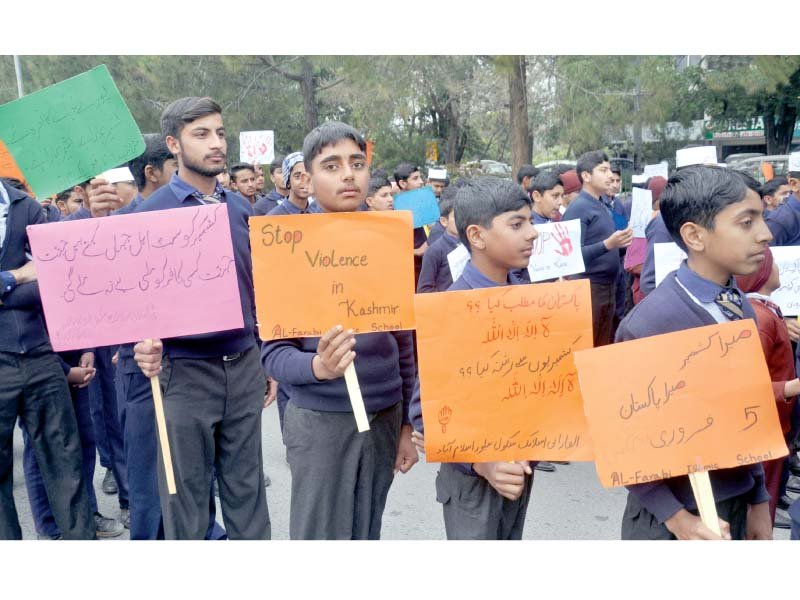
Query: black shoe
<point>784,502</point>
<point>545,466</point>
<point>109,483</point>
<point>107,528</point>
<point>782,520</point>
<point>793,485</point>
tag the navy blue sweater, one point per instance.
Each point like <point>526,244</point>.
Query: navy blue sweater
<point>22,326</point>
<point>435,233</point>
<point>669,308</point>
<point>597,225</point>
<point>435,273</point>
<point>178,194</point>
<point>267,203</point>
<point>784,223</point>
<point>656,233</point>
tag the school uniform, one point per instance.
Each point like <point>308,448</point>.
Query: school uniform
<point>685,300</point>
<point>264,204</point>
<point>472,508</point>
<point>602,265</point>
<point>213,392</point>
<point>34,386</point>
<point>435,233</point>
<point>340,477</point>
<point>784,223</point>
<point>435,274</point>
<point>539,219</point>
<point>656,232</point>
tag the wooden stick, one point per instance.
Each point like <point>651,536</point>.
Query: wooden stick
<point>162,434</point>
<point>704,497</point>
<point>356,400</point>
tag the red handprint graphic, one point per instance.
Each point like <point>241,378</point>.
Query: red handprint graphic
<point>561,235</point>
<point>444,417</point>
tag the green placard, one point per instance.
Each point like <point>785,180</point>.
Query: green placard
<point>69,132</point>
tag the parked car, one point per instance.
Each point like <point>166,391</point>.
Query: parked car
<point>754,166</point>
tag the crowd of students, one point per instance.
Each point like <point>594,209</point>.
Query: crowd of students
<point>216,385</point>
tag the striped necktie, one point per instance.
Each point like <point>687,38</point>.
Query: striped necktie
<point>730,303</point>
<point>206,199</point>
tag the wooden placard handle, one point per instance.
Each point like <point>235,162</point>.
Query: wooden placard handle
<point>704,497</point>
<point>356,400</point>
<point>161,423</point>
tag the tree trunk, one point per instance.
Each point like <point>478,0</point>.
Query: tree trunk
<point>778,129</point>
<point>308,87</point>
<point>518,117</point>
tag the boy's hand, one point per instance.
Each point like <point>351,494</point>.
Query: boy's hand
<point>419,441</point>
<point>115,358</point>
<point>147,355</point>
<point>759,523</point>
<point>272,392</point>
<point>87,360</point>
<point>80,377</point>
<point>407,455</point>
<point>102,197</point>
<point>25,274</point>
<point>508,478</point>
<point>794,328</point>
<point>685,526</point>
<point>334,353</point>
<point>791,389</point>
<point>619,239</point>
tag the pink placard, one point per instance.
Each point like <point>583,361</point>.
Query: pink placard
<point>126,278</point>
<point>636,253</point>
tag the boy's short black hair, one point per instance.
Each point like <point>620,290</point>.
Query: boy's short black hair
<point>403,171</point>
<point>544,182</point>
<point>526,171</point>
<point>484,198</point>
<point>277,163</point>
<point>769,188</point>
<point>241,167</point>
<point>328,134</point>
<point>750,181</point>
<point>155,154</point>
<point>697,194</point>
<point>186,110</point>
<point>588,161</point>
<point>380,172</point>
<point>64,195</point>
<point>447,201</point>
<point>376,183</point>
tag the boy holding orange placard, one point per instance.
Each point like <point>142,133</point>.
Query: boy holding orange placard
<point>486,501</point>
<point>717,220</point>
<point>340,477</point>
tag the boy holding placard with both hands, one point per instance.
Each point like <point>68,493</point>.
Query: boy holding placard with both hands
<point>717,220</point>
<point>486,501</point>
<point>340,477</point>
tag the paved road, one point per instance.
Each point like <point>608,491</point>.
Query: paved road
<point>569,504</point>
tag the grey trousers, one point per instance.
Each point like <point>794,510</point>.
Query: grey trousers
<point>340,477</point>
<point>473,510</point>
<point>213,413</point>
<point>638,523</point>
<point>34,387</point>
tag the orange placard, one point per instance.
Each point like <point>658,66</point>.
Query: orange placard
<point>497,379</point>
<point>674,404</point>
<point>8,166</point>
<point>315,271</point>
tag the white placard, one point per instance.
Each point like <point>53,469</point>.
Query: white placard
<point>641,211</point>
<point>557,251</point>
<point>457,259</point>
<point>668,257</point>
<point>659,170</point>
<point>257,147</point>
<point>788,295</point>
<point>117,175</point>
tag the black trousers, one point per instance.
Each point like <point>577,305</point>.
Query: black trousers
<point>213,412</point>
<point>33,387</point>
<point>603,312</point>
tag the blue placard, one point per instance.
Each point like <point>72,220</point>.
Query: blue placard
<point>422,203</point>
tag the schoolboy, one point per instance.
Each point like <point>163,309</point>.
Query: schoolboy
<point>774,193</point>
<point>213,387</point>
<point>438,228</point>
<point>713,216</point>
<point>379,194</point>
<point>600,241</point>
<point>275,196</point>
<point>298,185</point>
<point>435,274</point>
<point>486,501</point>
<point>340,478</point>
<point>438,181</point>
<point>34,386</point>
<point>526,175</point>
<point>243,181</point>
<point>547,195</point>
<point>408,178</point>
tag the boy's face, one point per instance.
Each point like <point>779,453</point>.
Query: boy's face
<point>382,199</point>
<point>598,181</point>
<point>615,184</point>
<point>276,177</point>
<point>300,182</point>
<point>737,242</point>
<point>340,176</point>
<point>167,170</point>
<point>246,183</point>
<point>71,204</point>
<point>778,198</point>
<point>414,182</point>
<point>201,146</point>
<point>259,170</point>
<point>450,224</point>
<point>437,186</point>
<point>508,243</point>
<point>548,203</point>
